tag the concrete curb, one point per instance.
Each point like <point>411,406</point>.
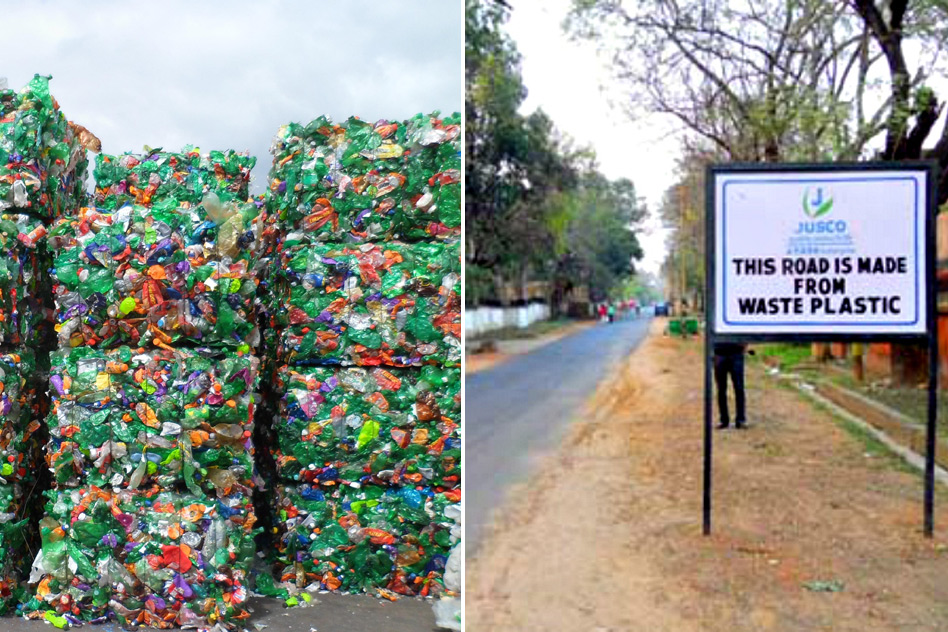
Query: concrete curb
<point>906,431</point>
<point>911,457</point>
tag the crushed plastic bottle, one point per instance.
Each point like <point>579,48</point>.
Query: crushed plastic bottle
<point>359,181</point>
<point>133,418</point>
<point>156,275</point>
<point>388,304</point>
<point>158,559</point>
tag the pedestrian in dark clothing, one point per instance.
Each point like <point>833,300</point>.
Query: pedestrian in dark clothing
<point>729,360</point>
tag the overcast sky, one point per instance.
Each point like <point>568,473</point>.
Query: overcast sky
<point>564,79</point>
<point>226,75</point>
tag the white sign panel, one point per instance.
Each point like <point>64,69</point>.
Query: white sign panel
<point>820,252</point>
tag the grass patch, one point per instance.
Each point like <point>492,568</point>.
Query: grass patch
<point>870,444</point>
<point>911,402</point>
<point>787,355</point>
<point>882,455</point>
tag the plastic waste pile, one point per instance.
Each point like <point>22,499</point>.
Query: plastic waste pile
<point>359,181</point>
<point>153,393</point>
<point>21,439</point>
<point>363,539</point>
<point>392,304</point>
<point>362,307</point>
<point>402,423</point>
<point>42,156</point>
<point>164,274</point>
<point>24,281</point>
<point>42,167</point>
<point>376,451</point>
<point>135,418</point>
<point>186,176</point>
<point>151,294</point>
<point>158,558</point>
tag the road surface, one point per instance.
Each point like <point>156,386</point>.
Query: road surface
<point>520,409</point>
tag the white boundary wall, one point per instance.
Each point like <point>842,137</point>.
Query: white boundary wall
<point>481,320</point>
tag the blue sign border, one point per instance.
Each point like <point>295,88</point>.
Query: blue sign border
<point>796,323</point>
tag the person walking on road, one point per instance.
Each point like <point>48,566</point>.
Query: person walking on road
<point>729,360</point>
<point>612,312</point>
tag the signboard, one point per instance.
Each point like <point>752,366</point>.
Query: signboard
<point>821,252</point>
<point>811,251</point>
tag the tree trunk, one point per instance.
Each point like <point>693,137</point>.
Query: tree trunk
<point>859,371</point>
<point>820,351</point>
<point>909,364</point>
<point>501,286</point>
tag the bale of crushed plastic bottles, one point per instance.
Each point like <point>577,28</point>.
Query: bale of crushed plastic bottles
<point>392,303</point>
<point>360,181</point>
<point>131,418</point>
<point>368,426</point>
<point>158,176</point>
<point>43,160</point>
<point>166,274</point>
<point>143,557</point>
<point>366,538</point>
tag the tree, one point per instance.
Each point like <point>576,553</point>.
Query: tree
<point>513,163</point>
<point>599,246</point>
<point>536,208</point>
<point>914,107</point>
<point>768,80</point>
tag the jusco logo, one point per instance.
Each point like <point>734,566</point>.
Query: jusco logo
<point>815,206</point>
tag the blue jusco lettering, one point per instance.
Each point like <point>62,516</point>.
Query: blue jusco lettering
<point>821,227</point>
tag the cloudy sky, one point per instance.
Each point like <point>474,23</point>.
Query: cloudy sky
<point>565,79</point>
<point>226,75</point>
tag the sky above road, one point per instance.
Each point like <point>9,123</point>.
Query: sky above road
<point>565,79</point>
<point>227,75</point>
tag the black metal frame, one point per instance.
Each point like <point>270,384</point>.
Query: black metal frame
<point>931,330</point>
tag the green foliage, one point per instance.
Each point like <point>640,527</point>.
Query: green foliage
<point>642,287</point>
<point>788,355</point>
<point>478,284</point>
<point>536,208</point>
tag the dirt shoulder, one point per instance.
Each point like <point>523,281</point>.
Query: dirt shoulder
<point>505,349</point>
<point>606,535</point>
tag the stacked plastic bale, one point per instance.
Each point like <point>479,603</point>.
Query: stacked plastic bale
<point>42,168</point>
<point>364,329</point>
<point>153,390</point>
<point>184,177</point>
<point>20,444</point>
<point>42,158</point>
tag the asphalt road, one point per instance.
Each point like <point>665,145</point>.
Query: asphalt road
<point>520,409</point>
